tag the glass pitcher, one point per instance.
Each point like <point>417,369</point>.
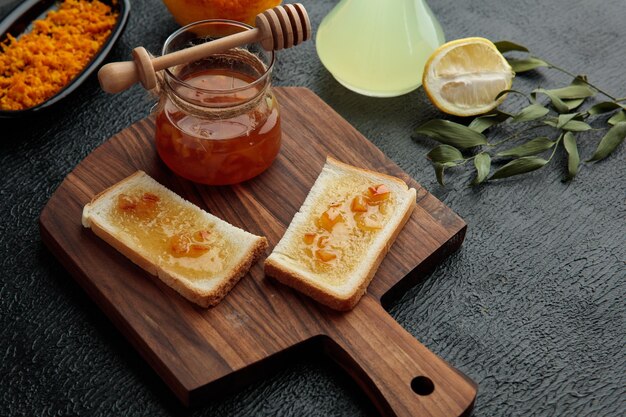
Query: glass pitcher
<point>378,47</point>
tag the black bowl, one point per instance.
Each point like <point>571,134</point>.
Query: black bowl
<point>19,21</point>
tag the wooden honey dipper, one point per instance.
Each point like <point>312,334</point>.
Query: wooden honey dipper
<point>278,28</point>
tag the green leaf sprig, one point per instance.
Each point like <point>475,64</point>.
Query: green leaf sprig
<point>561,113</point>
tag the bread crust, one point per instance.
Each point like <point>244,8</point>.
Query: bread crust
<point>294,280</point>
<point>103,193</point>
<point>202,297</point>
<point>213,297</point>
<point>332,161</point>
<point>324,294</point>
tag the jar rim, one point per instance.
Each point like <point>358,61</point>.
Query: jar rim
<point>259,80</point>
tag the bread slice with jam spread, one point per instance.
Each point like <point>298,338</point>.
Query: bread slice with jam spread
<point>345,227</point>
<point>197,254</point>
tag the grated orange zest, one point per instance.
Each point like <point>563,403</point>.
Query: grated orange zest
<point>40,63</point>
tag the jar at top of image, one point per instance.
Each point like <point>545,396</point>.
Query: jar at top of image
<point>217,120</point>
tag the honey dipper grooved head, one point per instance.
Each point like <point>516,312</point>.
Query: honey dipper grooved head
<point>284,26</point>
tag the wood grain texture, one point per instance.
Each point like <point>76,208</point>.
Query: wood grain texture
<point>201,353</point>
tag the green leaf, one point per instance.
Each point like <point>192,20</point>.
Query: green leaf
<point>532,112</point>
<point>506,46</point>
<point>564,119</point>
<point>603,107</point>
<point>482,123</point>
<point>482,162</point>
<point>451,133</point>
<point>573,91</point>
<point>526,64</point>
<point>617,117</point>
<point>573,103</point>
<point>576,126</point>
<point>550,121</point>
<point>519,166</point>
<point>503,92</point>
<point>610,141</point>
<point>573,160</point>
<point>439,170</point>
<point>445,153</point>
<point>576,102</point>
<point>569,125</point>
<point>532,147</point>
<point>557,103</point>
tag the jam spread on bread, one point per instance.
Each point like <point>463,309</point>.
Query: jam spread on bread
<point>142,206</point>
<point>341,233</point>
<point>188,244</point>
<point>195,253</point>
<point>345,222</point>
<point>160,224</point>
<point>330,218</point>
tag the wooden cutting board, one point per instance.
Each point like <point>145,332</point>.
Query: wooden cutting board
<point>203,353</point>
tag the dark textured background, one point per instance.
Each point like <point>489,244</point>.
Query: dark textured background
<point>532,306</point>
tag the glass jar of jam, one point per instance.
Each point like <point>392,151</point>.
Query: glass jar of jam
<point>217,121</point>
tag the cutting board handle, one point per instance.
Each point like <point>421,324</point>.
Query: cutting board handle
<point>401,376</point>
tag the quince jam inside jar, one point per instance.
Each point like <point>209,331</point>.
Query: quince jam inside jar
<point>218,121</point>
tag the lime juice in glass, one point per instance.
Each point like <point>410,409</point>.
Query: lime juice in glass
<point>378,47</point>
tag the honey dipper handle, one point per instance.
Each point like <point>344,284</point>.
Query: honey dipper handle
<point>401,376</point>
<point>119,76</point>
<point>197,52</point>
<point>278,28</point>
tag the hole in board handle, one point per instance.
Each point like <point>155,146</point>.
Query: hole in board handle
<point>422,385</point>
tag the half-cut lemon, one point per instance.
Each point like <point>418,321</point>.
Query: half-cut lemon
<point>463,77</point>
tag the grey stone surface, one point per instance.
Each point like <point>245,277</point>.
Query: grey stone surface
<point>532,307</point>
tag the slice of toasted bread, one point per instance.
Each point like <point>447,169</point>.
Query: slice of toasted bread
<point>332,248</point>
<point>197,254</point>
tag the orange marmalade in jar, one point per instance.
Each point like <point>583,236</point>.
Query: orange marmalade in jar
<point>218,121</point>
